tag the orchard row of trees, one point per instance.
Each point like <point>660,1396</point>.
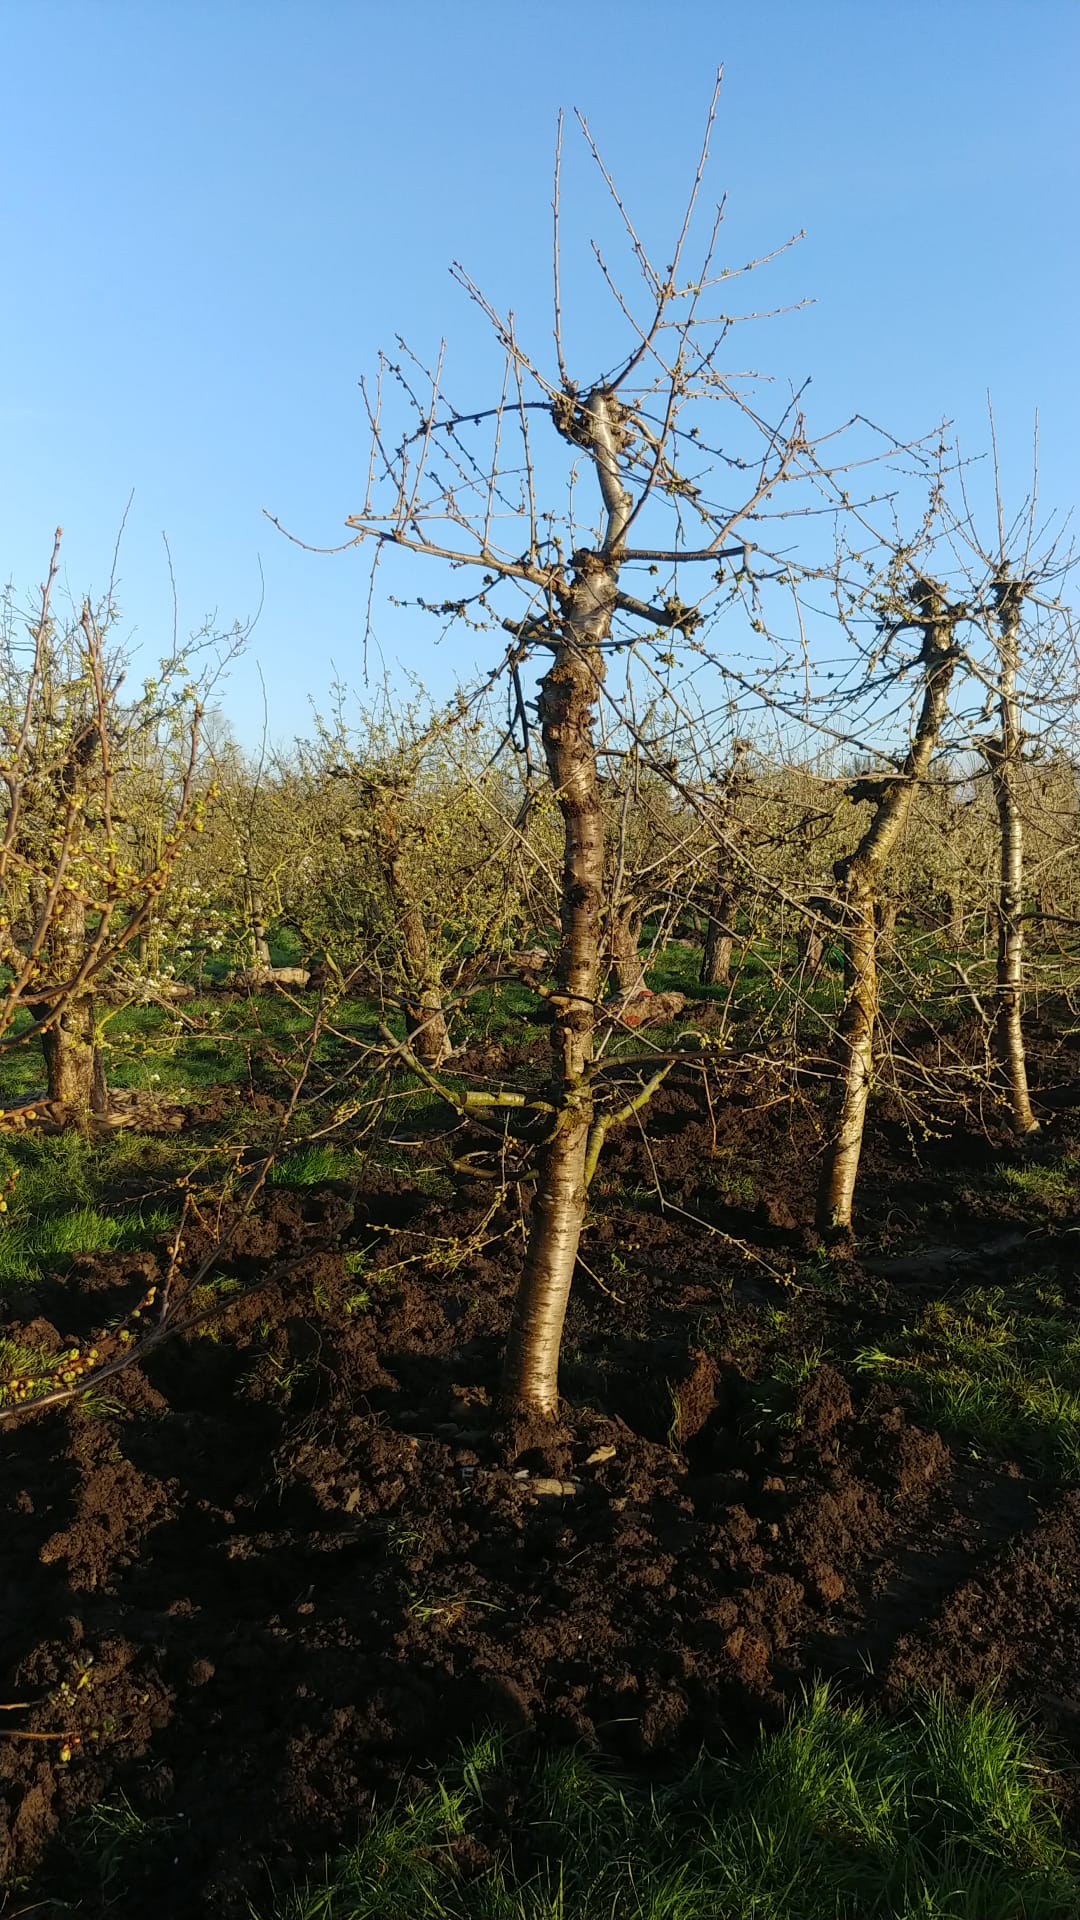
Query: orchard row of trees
<point>402,854</point>
<point>770,688</point>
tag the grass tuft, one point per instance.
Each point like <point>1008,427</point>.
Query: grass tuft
<point>115,1846</point>
<point>309,1166</point>
<point>1002,1375</point>
<point>58,1207</point>
<point>940,1814</point>
<point>1049,1185</point>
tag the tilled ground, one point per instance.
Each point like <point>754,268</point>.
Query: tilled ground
<point>298,1567</point>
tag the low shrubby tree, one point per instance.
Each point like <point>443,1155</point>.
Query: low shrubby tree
<point>79,886</point>
<point>267,851</point>
<point>419,884</point>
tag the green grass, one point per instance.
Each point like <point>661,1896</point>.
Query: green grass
<point>1048,1185</point>
<point>78,1197</point>
<point>769,990</point>
<point>115,1845</point>
<point>942,1814</point>
<point>310,1165</point>
<point>1002,1375</point>
<point>61,1204</point>
<point>217,1039</point>
<point>498,1014</point>
<point>206,1042</point>
<point>33,1247</point>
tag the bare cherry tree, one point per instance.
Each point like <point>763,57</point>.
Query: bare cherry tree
<point>424,870</point>
<point>860,875</point>
<point>673,470</point>
<point>1028,668</point>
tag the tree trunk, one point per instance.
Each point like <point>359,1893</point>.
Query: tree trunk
<point>621,955</point>
<point>719,938</point>
<point>855,1048</point>
<point>425,1020</point>
<point>260,946</point>
<point>425,1024</point>
<point>859,879</point>
<point>811,949</point>
<point>567,706</point>
<point>73,1065</point>
<point>721,907</point>
<point>885,915</point>
<point>1004,758</point>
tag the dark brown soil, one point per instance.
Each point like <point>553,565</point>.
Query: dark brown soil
<point>298,1566</point>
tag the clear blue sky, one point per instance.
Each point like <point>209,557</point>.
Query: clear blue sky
<point>214,214</point>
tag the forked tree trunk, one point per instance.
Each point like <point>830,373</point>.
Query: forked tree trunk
<point>1003,758</point>
<point>73,1064</point>
<point>859,879</point>
<point>567,706</point>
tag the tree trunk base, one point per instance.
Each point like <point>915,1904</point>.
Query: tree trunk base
<point>543,1443</point>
